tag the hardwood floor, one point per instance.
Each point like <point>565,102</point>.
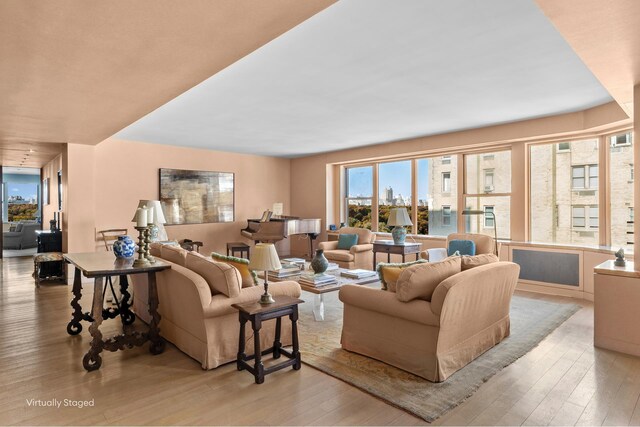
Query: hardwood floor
<point>563,381</point>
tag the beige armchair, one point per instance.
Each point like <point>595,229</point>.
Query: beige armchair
<point>484,245</point>
<point>468,314</point>
<point>359,256</point>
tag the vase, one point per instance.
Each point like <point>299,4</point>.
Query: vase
<point>124,247</point>
<point>399,233</point>
<point>319,263</point>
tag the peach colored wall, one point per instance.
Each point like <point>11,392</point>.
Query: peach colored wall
<point>127,171</point>
<point>309,174</point>
<point>636,173</point>
<point>50,170</point>
<point>78,220</point>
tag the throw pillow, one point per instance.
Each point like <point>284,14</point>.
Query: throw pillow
<point>477,260</point>
<point>249,277</point>
<point>419,281</point>
<point>174,254</point>
<point>221,278</point>
<point>19,227</point>
<point>465,247</point>
<point>345,241</point>
<point>390,272</point>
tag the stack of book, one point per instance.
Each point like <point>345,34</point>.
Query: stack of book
<point>287,270</point>
<point>358,273</point>
<point>318,280</point>
<point>297,261</point>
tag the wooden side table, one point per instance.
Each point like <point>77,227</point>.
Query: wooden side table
<point>388,247</point>
<point>256,313</point>
<point>234,247</point>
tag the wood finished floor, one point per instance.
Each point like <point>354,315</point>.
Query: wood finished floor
<point>563,381</point>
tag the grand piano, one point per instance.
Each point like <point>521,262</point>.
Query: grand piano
<point>281,227</point>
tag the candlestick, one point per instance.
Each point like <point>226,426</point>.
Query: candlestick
<point>141,261</point>
<point>147,240</point>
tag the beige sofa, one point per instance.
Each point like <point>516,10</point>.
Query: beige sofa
<point>467,314</point>
<point>484,245</point>
<point>196,316</point>
<point>359,256</point>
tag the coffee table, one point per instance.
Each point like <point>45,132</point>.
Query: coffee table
<point>318,298</point>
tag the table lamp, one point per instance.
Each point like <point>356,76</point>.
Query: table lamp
<point>467,212</point>
<point>399,217</point>
<point>157,220</point>
<point>265,258</point>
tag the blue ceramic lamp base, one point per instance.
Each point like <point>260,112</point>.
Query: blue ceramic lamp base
<point>399,234</point>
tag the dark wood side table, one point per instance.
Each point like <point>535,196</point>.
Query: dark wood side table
<point>256,314</point>
<point>98,265</point>
<point>388,247</point>
<point>240,247</point>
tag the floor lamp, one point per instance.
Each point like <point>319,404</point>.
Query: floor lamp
<point>468,212</point>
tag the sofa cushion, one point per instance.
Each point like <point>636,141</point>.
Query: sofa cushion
<point>249,277</point>
<point>18,227</point>
<point>390,272</point>
<point>345,241</point>
<point>420,280</point>
<point>175,254</point>
<point>465,247</point>
<point>339,255</point>
<point>221,277</point>
<point>478,260</point>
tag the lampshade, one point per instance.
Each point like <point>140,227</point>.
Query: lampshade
<point>399,216</point>
<point>264,258</point>
<point>158,215</point>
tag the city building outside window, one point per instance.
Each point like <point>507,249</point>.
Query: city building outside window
<point>359,195</point>
<point>446,215</point>
<point>488,180</point>
<point>488,217</point>
<point>621,189</point>
<point>446,160</point>
<point>564,147</point>
<point>561,186</point>
<point>394,182</point>
<point>437,195</point>
<point>446,182</point>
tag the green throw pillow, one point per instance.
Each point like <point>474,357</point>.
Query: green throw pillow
<point>345,241</point>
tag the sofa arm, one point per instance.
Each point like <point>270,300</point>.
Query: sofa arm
<point>221,304</point>
<point>366,247</point>
<point>434,254</point>
<point>383,302</point>
<point>328,246</point>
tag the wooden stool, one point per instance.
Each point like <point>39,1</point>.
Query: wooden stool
<point>48,257</point>
<point>240,247</point>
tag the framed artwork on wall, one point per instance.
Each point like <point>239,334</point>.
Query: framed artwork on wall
<point>196,197</point>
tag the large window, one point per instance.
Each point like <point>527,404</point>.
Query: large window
<point>394,182</point>
<point>437,195</point>
<point>621,181</point>
<point>488,190</point>
<point>359,193</point>
<point>563,204</point>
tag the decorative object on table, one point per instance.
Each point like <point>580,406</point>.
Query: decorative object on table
<point>147,249</point>
<point>300,262</point>
<point>278,209</point>
<point>399,217</point>
<point>196,197</point>
<point>265,258</point>
<point>319,263</point>
<point>332,227</point>
<point>140,218</point>
<point>490,214</point>
<point>155,220</point>
<point>620,261</point>
<point>124,247</point>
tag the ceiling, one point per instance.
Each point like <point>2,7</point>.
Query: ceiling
<point>28,155</point>
<point>21,171</point>
<point>77,71</point>
<point>363,72</point>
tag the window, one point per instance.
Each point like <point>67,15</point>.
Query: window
<point>394,182</point>
<point>489,219</point>
<point>564,147</point>
<point>446,182</point>
<point>446,215</point>
<point>488,180</point>
<point>359,193</point>
<point>488,189</point>
<point>560,187</point>
<point>621,189</point>
<point>437,195</point>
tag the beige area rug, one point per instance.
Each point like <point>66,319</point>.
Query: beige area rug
<point>531,321</point>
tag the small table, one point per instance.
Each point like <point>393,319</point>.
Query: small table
<point>98,265</point>
<point>43,257</point>
<point>234,247</point>
<point>388,247</point>
<point>256,314</point>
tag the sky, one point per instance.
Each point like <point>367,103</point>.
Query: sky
<point>396,175</point>
<point>27,191</point>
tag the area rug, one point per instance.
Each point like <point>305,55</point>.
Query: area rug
<point>531,321</point>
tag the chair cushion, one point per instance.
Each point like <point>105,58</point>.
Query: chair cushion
<point>339,255</point>
<point>420,280</point>
<point>174,254</point>
<point>478,260</point>
<point>18,227</point>
<point>345,241</point>
<point>221,277</point>
<point>465,247</point>
<point>390,272</point>
<point>249,277</point>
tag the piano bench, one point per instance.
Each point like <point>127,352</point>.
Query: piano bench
<point>239,247</point>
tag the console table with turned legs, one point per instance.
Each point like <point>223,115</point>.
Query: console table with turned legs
<point>98,266</point>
